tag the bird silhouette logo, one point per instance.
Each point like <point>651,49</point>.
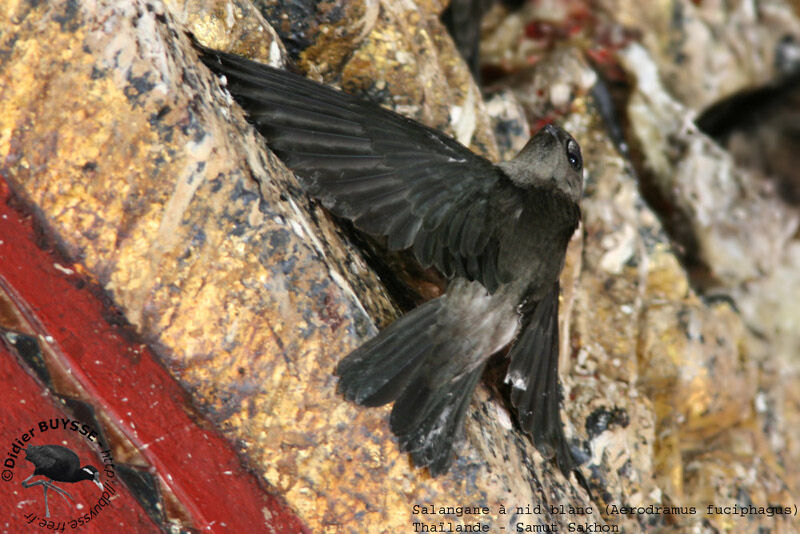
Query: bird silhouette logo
<point>59,464</point>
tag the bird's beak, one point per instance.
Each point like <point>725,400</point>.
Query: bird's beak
<point>557,133</point>
<point>96,480</point>
<point>545,136</point>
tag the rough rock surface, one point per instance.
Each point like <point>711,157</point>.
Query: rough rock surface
<point>694,318</point>
<point>148,176</point>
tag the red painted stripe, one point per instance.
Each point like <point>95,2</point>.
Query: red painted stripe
<point>129,385</point>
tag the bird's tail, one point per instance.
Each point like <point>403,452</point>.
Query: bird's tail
<point>422,366</point>
<point>535,391</point>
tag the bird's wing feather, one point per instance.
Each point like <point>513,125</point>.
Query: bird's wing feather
<point>533,375</point>
<point>390,175</point>
<point>47,457</point>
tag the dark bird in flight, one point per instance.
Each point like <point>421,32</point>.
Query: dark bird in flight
<point>59,464</point>
<point>498,232</point>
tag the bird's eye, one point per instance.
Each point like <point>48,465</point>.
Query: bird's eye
<point>574,155</point>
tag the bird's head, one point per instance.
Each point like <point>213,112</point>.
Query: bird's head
<point>89,472</point>
<point>551,159</point>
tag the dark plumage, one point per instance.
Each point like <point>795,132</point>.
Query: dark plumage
<point>60,464</point>
<point>498,232</point>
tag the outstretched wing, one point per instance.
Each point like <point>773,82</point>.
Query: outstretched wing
<point>533,375</point>
<point>390,175</point>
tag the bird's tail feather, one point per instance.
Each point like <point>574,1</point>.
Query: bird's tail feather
<point>533,375</point>
<point>414,362</point>
<point>379,370</point>
<point>428,420</point>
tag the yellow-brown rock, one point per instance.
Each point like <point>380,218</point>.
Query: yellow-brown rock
<point>231,26</point>
<point>395,53</point>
